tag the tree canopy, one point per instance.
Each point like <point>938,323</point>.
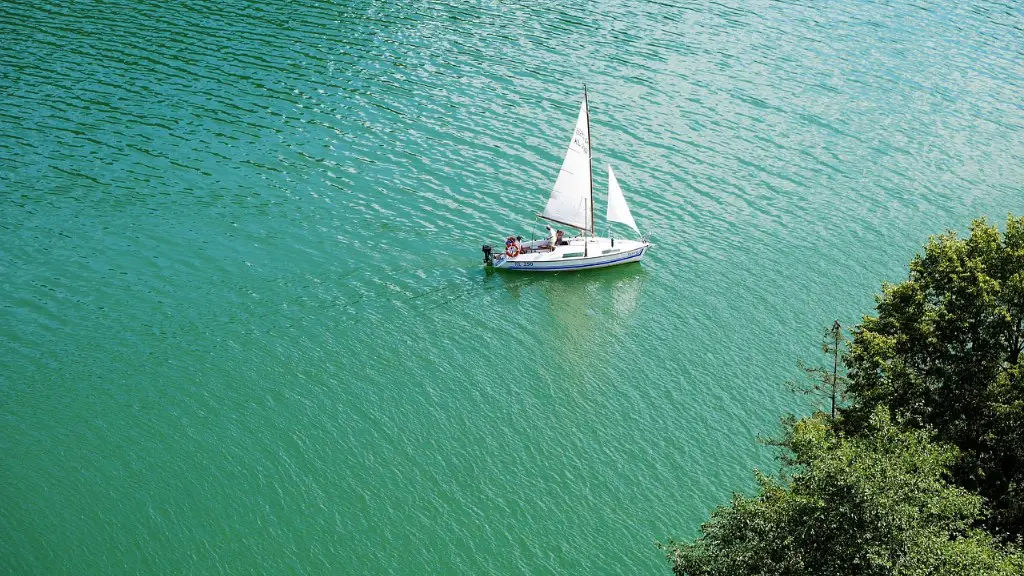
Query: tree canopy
<point>944,353</point>
<point>923,472</point>
<point>865,505</point>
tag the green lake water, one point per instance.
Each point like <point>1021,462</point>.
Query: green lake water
<point>244,326</point>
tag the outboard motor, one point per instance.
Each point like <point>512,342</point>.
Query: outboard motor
<point>488,259</point>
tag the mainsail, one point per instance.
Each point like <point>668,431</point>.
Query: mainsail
<point>618,211</point>
<point>571,202</point>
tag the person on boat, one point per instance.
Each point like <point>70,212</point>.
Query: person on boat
<point>560,240</point>
<point>548,243</point>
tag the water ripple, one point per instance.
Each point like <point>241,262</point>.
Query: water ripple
<point>246,329</point>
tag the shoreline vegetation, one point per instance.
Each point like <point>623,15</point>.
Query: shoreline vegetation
<point>918,469</point>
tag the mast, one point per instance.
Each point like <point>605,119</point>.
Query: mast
<point>590,154</point>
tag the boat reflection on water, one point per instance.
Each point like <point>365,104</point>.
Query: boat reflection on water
<point>574,297</point>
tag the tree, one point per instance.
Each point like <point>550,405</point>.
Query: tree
<point>823,381</point>
<point>944,352</point>
<point>875,504</point>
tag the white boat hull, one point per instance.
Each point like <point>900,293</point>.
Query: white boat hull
<point>595,253</point>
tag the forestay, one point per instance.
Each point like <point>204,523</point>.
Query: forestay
<point>571,200</point>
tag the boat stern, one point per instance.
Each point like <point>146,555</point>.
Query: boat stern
<point>492,260</point>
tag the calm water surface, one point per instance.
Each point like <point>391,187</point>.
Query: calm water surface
<point>243,323</point>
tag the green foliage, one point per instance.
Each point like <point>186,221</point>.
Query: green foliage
<point>827,382</point>
<point>944,353</point>
<point>867,505</point>
<point>930,450</point>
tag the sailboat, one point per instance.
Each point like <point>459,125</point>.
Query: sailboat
<point>572,205</point>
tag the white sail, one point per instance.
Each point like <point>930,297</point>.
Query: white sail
<point>571,202</point>
<point>618,211</point>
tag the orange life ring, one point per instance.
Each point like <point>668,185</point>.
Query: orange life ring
<point>512,250</point>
